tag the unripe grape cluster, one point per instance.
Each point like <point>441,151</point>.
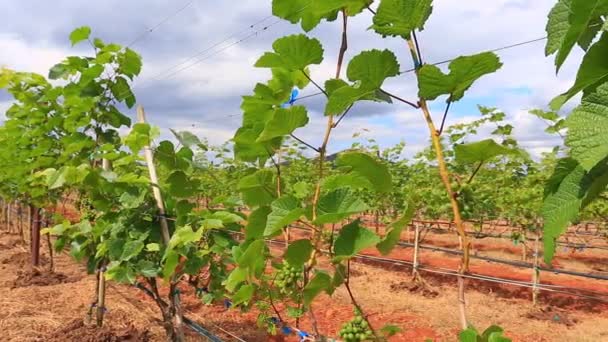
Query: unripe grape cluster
<point>356,330</point>
<point>287,278</point>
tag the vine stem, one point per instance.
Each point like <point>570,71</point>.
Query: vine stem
<point>445,178</point>
<point>322,152</point>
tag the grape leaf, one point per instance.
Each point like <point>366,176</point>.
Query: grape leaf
<point>480,151</point>
<point>569,190</point>
<point>394,234</point>
<point>588,129</point>
<point>284,121</point>
<point>582,13</point>
<point>298,252</point>
<point>285,210</point>
<point>321,282</point>
<point>464,71</point>
<point>592,72</point>
<point>80,34</point>
<point>401,17</point>
<point>338,205</point>
<point>368,70</point>
<point>294,52</point>
<point>352,239</point>
<point>371,169</point>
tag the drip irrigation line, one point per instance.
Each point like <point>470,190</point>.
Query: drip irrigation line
<point>160,23</point>
<point>539,286</point>
<point>519,264</point>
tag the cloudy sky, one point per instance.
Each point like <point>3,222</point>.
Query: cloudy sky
<point>199,54</point>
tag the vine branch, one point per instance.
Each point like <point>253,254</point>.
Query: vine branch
<point>400,99</point>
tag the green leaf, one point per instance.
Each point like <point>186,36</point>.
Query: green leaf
<point>122,91</point>
<point>401,17</point>
<point>146,268</point>
<point>252,255</point>
<point>338,205</point>
<point>592,72</point>
<point>294,52</point>
<point>588,129</point>
<point>285,210</point>
<point>243,295</point>
<point>298,252</point>
<point>373,67</point>
<point>464,71</point>
<point>171,261</point>
<point>368,70</point>
<point>258,188</point>
<point>352,239</point>
<point>284,121</point>
<point>188,139</point>
<point>394,234</point>
<point>480,151</point>
<point>389,330</point>
<point>353,180</point>
<point>153,247</point>
<point>303,11</point>
<point>321,282</point>
<point>468,335</point>
<point>581,14</point>
<point>120,273</point>
<point>569,190</point>
<point>180,185</point>
<point>80,34</point>
<point>256,223</point>
<point>130,63</point>
<point>557,26</point>
<point>131,249</point>
<point>185,235</point>
<point>370,168</point>
<point>235,278</point>
<point>59,71</point>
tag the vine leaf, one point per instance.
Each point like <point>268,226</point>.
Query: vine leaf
<point>338,205</point>
<point>393,236</point>
<point>285,210</point>
<point>256,223</point>
<point>298,252</point>
<point>569,190</point>
<point>401,17</point>
<point>284,121</point>
<point>321,282</point>
<point>310,12</point>
<point>588,129</point>
<point>80,34</point>
<point>294,52</point>
<point>480,151</point>
<point>352,239</point>
<point>368,71</point>
<point>369,168</point>
<point>188,139</point>
<point>592,72</point>
<point>352,180</point>
<point>572,21</point>
<point>180,186</point>
<point>258,188</point>
<point>243,295</point>
<point>464,71</point>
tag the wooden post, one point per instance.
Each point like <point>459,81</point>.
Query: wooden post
<point>524,246</point>
<point>416,243</point>
<point>101,289</point>
<point>175,309</point>
<point>35,236</point>
<point>535,272</point>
